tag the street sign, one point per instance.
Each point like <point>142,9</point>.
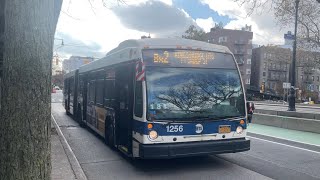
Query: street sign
<point>286,85</point>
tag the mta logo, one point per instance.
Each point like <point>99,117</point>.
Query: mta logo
<point>199,128</point>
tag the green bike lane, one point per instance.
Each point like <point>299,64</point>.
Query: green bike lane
<point>285,134</point>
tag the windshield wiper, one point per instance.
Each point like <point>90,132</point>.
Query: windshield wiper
<point>214,117</point>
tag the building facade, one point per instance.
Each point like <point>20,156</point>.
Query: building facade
<point>56,66</point>
<point>240,43</point>
<point>75,62</point>
<point>270,68</point>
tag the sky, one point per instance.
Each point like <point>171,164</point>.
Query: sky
<point>94,27</point>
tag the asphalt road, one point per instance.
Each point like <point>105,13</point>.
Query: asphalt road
<point>57,97</point>
<point>268,158</point>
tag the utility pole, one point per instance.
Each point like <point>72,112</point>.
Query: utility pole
<point>292,98</point>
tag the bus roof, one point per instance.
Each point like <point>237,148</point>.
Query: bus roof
<point>69,74</point>
<point>131,49</point>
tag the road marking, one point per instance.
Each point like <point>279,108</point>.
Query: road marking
<point>286,139</point>
<point>285,145</point>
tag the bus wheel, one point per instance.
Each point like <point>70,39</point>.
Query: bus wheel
<point>79,118</point>
<point>109,133</point>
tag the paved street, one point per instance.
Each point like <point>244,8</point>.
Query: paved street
<point>268,158</point>
<point>57,97</point>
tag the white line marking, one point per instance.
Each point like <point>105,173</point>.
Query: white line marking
<point>286,139</point>
<point>285,145</point>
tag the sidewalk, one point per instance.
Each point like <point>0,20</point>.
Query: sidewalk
<point>287,134</point>
<point>61,168</point>
<point>65,165</point>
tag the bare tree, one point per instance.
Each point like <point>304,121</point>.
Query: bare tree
<point>26,42</point>
<point>284,10</point>
<point>203,92</point>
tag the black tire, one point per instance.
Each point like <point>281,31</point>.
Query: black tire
<point>109,133</point>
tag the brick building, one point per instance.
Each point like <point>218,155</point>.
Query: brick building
<point>270,67</point>
<point>240,43</point>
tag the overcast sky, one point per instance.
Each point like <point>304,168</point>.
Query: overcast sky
<point>92,29</point>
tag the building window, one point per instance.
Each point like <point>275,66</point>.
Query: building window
<point>249,51</point>
<point>248,61</point>
<point>264,65</point>
<point>248,81</point>
<point>248,71</point>
<point>265,55</point>
<point>264,74</point>
<point>312,78</point>
<point>301,77</point>
<point>274,66</point>
<point>270,65</point>
<point>223,39</point>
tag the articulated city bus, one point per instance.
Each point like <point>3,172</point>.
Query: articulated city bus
<point>162,98</point>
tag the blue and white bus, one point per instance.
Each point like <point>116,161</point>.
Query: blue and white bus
<point>162,98</point>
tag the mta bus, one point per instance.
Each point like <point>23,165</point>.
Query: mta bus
<point>162,98</point>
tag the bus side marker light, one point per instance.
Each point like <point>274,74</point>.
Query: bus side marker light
<point>150,126</point>
<point>242,122</point>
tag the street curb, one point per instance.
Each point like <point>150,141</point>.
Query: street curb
<point>75,165</point>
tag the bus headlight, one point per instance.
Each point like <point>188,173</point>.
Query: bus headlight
<point>153,135</point>
<point>239,130</point>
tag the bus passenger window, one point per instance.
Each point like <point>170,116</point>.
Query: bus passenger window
<point>138,101</point>
<point>109,93</point>
<point>99,87</point>
<point>91,91</point>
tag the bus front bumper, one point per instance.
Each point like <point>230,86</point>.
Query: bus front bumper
<point>173,150</point>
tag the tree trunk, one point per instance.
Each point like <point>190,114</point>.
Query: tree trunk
<point>27,38</point>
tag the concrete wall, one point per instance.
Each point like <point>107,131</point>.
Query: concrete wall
<point>295,123</point>
<point>289,114</point>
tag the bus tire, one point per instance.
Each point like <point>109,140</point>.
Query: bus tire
<point>109,133</point>
<point>79,117</point>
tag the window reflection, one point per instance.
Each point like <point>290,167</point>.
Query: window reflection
<point>188,93</point>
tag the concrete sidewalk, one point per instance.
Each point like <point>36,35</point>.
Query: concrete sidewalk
<point>61,168</point>
<point>65,165</point>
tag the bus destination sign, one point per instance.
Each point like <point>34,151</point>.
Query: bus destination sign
<point>178,57</point>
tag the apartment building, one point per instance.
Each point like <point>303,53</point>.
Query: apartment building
<point>240,43</point>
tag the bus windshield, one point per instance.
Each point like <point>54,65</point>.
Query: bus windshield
<point>188,94</point>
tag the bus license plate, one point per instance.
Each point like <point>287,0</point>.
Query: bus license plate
<point>224,129</point>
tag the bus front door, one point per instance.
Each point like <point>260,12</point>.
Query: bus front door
<point>124,86</point>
